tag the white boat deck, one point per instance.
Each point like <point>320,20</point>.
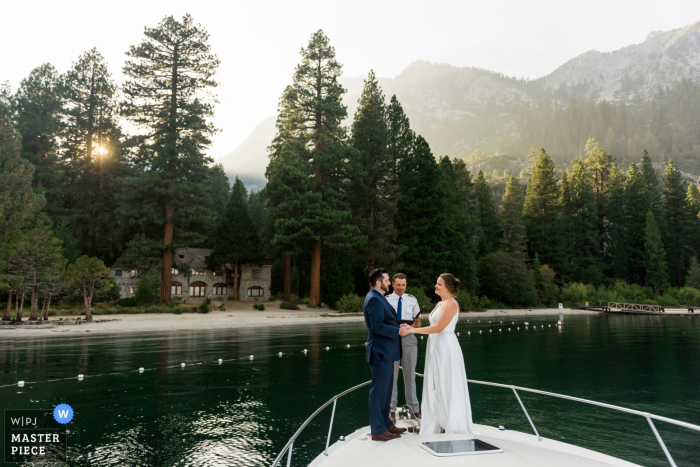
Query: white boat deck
<point>519,449</point>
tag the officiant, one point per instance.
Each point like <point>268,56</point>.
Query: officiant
<point>407,311</point>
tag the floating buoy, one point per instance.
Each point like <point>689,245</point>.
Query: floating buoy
<point>479,332</point>
<point>490,330</point>
<point>549,325</point>
<point>526,323</point>
<point>140,370</point>
<point>479,321</point>
<point>251,357</point>
<point>280,354</point>
<point>328,348</point>
<point>501,322</point>
<point>509,329</point>
<point>512,322</point>
<point>489,322</point>
<point>421,337</point>
<point>20,384</point>
<point>457,334</point>
<point>469,332</point>
<point>348,346</point>
<point>499,329</point>
<point>559,323</point>
<point>220,361</point>
<point>80,377</point>
<point>518,328</point>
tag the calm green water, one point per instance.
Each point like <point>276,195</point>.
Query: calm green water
<point>241,412</point>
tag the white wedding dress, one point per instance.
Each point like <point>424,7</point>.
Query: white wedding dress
<point>445,403</point>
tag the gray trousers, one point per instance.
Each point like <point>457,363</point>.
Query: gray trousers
<point>409,345</point>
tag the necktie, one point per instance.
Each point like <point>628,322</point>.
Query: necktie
<point>398,309</point>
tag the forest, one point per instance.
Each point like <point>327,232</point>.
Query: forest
<point>343,197</point>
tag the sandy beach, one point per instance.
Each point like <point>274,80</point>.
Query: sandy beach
<point>237,315</point>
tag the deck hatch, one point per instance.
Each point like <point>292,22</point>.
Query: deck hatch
<point>459,447</point>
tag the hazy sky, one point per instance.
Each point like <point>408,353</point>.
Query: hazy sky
<point>258,42</point>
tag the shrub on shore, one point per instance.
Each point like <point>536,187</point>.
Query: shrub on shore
<point>350,303</point>
<point>259,306</point>
<point>290,305</point>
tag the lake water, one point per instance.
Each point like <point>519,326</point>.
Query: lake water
<point>242,411</point>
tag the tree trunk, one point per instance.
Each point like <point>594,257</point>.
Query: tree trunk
<point>300,286</point>
<point>167,258</point>
<point>88,302</point>
<point>235,281</point>
<point>34,312</point>
<point>315,293</point>
<point>47,304</point>
<point>20,309</point>
<point>287,276</point>
<point>6,313</point>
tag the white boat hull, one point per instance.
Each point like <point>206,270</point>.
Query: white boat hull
<point>519,450</point>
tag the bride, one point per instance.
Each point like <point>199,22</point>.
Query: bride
<point>446,406</point>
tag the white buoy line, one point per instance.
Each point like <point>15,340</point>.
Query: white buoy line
<point>140,370</point>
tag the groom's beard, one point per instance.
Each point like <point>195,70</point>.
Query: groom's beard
<point>384,288</point>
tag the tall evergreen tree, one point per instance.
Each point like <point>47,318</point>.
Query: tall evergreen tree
<point>258,209</point>
<point>692,219</point>
<point>538,278</point>
<point>676,231</point>
<point>400,137</point>
<point>461,251</point>
<point>311,112</point>
<point>237,240</point>
<point>636,204</point>
<point>168,92</point>
<point>616,251</point>
<point>92,156</point>
<point>653,189</point>
<point>37,107</point>
<point>374,191</point>
<point>599,164</point>
<point>511,217</point>
<point>541,209</point>
<point>692,279</point>
<point>579,237</point>
<point>488,228</point>
<point>220,194</point>
<point>656,273</point>
<point>421,214</point>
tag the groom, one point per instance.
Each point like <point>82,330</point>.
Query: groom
<point>383,349</point>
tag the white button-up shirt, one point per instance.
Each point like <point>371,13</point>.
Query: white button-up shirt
<point>409,305</point>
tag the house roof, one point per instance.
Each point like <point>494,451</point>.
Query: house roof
<point>193,257</point>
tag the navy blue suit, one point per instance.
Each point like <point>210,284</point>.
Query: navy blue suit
<point>383,349</point>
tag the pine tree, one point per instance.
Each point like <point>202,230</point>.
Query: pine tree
<point>18,202</point>
<point>676,233</point>
<point>460,249</point>
<point>488,228</point>
<point>692,203</point>
<point>37,107</point>
<point>169,78</point>
<point>692,278</point>
<point>538,278</point>
<point>541,209</point>
<point>93,156</point>
<point>654,256</point>
<point>258,209</point>
<point>400,137</point>
<point>616,252</point>
<point>653,189</point>
<point>421,214</point>
<point>220,194</point>
<point>599,164</point>
<point>311,112</point>
<point>237,240</point>
<point>374,191</point>
<point>514,240</point>
<point>579,239</point>
<point>637,204</point>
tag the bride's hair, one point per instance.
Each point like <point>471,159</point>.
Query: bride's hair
<point>451,282</point>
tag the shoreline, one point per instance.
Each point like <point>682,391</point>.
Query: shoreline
<point>238,315</point>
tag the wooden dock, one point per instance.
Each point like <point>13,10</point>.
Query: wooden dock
<point>641,309</point>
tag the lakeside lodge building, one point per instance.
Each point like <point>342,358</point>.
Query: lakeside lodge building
<point>254,280</point>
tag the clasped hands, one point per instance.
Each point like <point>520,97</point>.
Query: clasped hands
<point>405,330</point>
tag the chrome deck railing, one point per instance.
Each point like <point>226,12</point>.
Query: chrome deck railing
<point>288,448</point>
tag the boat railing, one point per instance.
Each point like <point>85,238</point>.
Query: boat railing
<point>289,447</point>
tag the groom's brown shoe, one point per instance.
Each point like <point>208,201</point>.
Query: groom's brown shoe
<point>396,430</point>
<point>386,436</point>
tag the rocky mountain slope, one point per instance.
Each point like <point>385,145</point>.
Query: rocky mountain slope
<point>640,69</point>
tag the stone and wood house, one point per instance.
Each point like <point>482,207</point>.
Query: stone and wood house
<point>253,279</point>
